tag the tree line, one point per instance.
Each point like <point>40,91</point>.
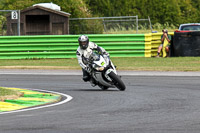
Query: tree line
<point>160,11</point>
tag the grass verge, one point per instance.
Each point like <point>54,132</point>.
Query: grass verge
<point>6,92</point>
<point>136,64</point>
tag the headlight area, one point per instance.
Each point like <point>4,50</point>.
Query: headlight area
<point>98,68</point>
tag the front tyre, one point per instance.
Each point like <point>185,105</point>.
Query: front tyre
<point>117,81</point>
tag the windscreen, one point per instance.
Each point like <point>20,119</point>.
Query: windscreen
<point>191,27</point>
<point>94,56</point>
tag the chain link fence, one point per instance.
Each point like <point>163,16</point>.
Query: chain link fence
<point>15,14</point>
<point>109,25</point>
<point>3,25</point>
<point>98,25</point>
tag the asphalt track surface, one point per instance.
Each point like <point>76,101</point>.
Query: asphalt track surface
<point>150,104</point>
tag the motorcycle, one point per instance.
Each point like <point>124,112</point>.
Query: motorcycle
<point>103,73</point>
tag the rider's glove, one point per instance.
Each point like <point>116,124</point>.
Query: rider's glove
<point>88,69</point>
<point>106,56</point>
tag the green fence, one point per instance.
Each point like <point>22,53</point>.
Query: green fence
<point>64,46</point>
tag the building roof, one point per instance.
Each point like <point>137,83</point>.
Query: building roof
<point>46,9</point>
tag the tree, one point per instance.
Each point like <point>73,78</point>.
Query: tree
<point>77,9</point>
<point>160,11</point>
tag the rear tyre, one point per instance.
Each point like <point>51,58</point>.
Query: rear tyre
<point>117,81</point>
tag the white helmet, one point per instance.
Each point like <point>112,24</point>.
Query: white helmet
<point>83,42</point>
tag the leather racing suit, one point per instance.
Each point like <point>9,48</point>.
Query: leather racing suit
<point>83,55</point>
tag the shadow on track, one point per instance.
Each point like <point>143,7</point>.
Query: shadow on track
<point>93,90</point>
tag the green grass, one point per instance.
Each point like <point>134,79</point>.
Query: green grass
<point>5,92</point>
<point>159,64</point>
<point>137,64</point>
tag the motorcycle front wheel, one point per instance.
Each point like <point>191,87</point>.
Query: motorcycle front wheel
<point>117,81</point>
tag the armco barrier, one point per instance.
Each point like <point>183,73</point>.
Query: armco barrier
<point>64,46</point>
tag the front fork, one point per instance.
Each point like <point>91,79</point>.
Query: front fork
<point>109,71</point>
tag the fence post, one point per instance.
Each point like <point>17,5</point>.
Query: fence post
<point>18,23</point>
<point>137,24</point>
<point>150,24</point>
<point>104,26</point>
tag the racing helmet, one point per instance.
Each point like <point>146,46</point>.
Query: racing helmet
<point>83,42</point>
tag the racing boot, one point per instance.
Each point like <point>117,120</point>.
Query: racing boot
<point>92,82</point>
<point>86,76</point>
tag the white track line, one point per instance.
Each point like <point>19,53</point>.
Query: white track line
<point>68,98</point>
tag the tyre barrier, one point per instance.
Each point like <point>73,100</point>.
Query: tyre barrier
<point>186,44</point>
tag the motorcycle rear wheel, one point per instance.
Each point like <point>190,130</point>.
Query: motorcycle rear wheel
<point>117,81</point>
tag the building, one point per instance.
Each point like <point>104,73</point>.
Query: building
<point>39,20</point>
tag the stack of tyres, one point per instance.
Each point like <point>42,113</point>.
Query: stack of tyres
<point>186,44</point>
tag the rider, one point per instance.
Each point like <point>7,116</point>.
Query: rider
<point>83,53</point>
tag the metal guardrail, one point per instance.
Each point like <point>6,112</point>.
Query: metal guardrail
<point>64,46</point>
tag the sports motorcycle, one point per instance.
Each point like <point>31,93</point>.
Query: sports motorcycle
<point>103,73</point>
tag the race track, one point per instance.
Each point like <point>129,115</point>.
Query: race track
<point>150,104</point>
